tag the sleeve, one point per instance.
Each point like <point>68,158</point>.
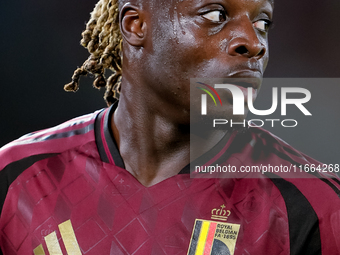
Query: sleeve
<point>323,196</point>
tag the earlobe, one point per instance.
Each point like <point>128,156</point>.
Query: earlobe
<point>132,25</point>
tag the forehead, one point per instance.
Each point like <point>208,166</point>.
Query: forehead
<point>170,10</point>
<point>222,2</point>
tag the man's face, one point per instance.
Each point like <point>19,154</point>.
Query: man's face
<point>206,39</point>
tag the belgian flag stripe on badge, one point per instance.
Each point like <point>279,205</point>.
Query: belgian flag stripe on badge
<point>211,237</point>
<point>194,237</point>
<point>202,238</point>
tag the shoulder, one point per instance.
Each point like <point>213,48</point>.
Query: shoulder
<point>311,193</point>
<point>19,155</point>
<point>310,176</point>
<point>57,139</point>
<point>308,196</point>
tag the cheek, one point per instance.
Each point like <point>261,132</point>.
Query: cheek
<point>190,42</point>
<point>193,54</point>
<point>203,54</point>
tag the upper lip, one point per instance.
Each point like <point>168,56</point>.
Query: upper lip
<point>245,78</point>
<point>249,73</point>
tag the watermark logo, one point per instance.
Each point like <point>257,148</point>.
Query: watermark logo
<point>238,100</point>
<point>204,97</point>
<point>232,138</point>
<point>243,96</point>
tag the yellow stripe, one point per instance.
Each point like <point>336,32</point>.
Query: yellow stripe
<point>53,244</point>
<point>69,238</point>
<point>39,250</point>
<point>202,238</point>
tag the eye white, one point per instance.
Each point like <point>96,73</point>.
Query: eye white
<point>261,25</point>
<point>213,16</point>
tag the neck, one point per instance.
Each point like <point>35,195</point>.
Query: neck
<point>154,141</point>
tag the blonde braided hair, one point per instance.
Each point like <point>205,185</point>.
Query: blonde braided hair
<point>103,40</point>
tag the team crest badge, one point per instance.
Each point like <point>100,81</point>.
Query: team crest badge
<point>212,237</point>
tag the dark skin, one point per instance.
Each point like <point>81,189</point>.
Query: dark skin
<point>165,44</point>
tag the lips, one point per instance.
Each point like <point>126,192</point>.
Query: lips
<point>246,78</point>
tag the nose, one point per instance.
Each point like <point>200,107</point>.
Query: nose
<point>245,41</point>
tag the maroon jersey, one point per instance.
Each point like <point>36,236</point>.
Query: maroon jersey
<point>64,190</point>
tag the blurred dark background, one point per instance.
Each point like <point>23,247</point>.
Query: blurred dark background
<point>39,50</point>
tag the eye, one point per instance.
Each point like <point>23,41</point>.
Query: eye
<point>262,25</point>
<point>215,16</point>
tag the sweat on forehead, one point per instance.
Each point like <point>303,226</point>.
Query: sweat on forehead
<point>164,3</point>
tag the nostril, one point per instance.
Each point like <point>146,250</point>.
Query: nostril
<point>261,53</point>
<point>242,50</point>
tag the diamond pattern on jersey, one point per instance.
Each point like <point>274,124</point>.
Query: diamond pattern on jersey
<point>157,250</point>
<point>93,169</point>
<point>94,236</point>
<point>267,242</point>
<point>112,213</point>
<point>106,211</point>
<point>39,186</point>
<point>115,250</point>
<point>124,188</point>
<point>190,213</point>
<point>173,241</point>
<point>261,210</point>
<point>148,212</point>
<point>251,206</point>
<point>15,231</point>
<point>130,245</point>
<point>62,210</point>
<point>78,190</point>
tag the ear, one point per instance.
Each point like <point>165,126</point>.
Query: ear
<point>132,25</point>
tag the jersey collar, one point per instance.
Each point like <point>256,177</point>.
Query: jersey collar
<point>109,153</point>
<point>106,144</point>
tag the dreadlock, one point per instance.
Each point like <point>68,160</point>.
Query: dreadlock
<point>103,40</point>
